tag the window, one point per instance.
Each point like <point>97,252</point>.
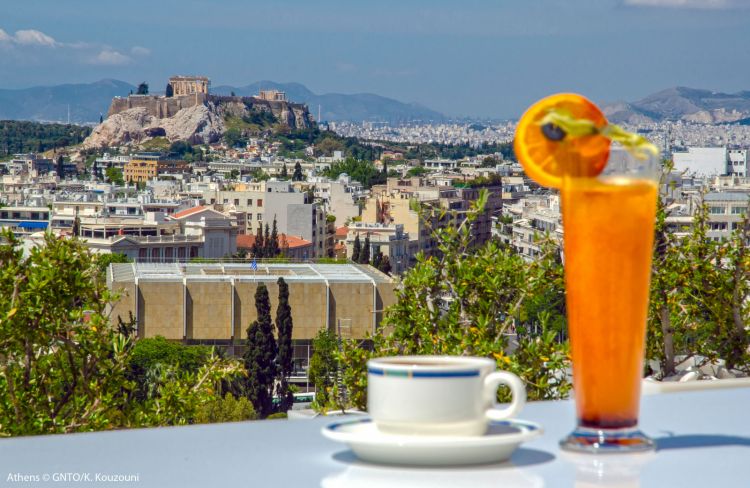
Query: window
<point>213,200</point>
<point>260,202</point>
<point>716,210</point>
<point>249,216</point>
<point>236,201</point>
<point>226,200</point>
<point>259,217</point>
<point>249,202</point>
<point>738,210</point>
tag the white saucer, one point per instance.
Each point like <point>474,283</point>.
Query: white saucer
<point>369,444</point>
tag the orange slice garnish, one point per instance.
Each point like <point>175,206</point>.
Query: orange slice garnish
<point>547,152</point>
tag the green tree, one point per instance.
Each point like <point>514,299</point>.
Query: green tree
<point>142,88</point>
<point>361,170</point>
<point>323,367</point>
<point>356,249</point>
<point>364,255</point>
<point>417,171</point>
<point>273,245</point>
<point>114,175</point>
<point>284,326</point>
<point>258,249</point>
<point>385,265</point>
<point>225,409</point>
<point>157,352</point>
<point>62,367</point>
<point>260,355</point>
<point>169,92</point>
<point>284,174</point>
<point>60,166</point>
<point>297,175</point>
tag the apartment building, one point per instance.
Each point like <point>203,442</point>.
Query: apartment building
<point>24,220</point>
<point>144,167</point>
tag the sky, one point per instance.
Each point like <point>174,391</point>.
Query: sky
<point>480,58</point>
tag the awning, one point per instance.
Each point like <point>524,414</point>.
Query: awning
<point>33,224</point>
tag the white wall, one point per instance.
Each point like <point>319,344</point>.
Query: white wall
<point>705,161</point>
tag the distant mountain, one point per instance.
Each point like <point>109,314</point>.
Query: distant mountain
<point>336,106</point>
<point>88,100</point>
<point>681,103</point>
<point>50,103</point>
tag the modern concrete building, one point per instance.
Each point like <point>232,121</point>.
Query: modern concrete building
<point>215,303</point>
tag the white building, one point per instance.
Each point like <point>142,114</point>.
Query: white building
<point>737,164</point>
<point>702,161</point>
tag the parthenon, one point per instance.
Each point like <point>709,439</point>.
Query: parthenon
<point>189,85</point>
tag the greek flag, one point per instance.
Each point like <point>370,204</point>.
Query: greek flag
<point>254,265</point>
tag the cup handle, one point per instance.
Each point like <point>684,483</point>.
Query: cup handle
<point>517,389</point>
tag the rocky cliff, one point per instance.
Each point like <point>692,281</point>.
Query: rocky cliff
<point>136,119</point>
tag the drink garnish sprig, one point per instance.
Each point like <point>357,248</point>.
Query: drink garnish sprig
<point>568,135</point>
<point>559,123</point>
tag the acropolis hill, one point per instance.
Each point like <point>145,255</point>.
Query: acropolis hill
<point>188,112</point>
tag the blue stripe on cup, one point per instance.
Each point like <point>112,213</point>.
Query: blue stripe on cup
<point>423,374</point>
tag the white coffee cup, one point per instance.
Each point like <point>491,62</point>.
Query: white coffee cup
<point>438,395</point>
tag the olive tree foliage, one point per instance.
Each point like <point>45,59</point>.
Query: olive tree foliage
<point>480,301</point>
<point>63,366</point>
<point>700,294</point>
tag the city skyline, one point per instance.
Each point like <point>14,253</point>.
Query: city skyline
<point>475,59</point>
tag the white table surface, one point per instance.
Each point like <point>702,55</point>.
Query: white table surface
<point>703,441</point>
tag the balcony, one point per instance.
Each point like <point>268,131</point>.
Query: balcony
<point>703,439</point>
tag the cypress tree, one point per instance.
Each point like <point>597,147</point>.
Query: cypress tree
<point>357,248</point>
<point>60,167</point>
<point>274,242</point>
<point>260,355</point>
<point>377,260</point>
<point>297,176</point>
<point>284,173</point>
<point>267,246</point>
<point>169,92</point>
<point>284,330</point>
<point>258,248</point>
<point>385,265</point>
<point>364,256</point>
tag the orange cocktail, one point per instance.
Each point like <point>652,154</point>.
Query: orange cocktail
<point>607,182</point>
<point>609,229</point>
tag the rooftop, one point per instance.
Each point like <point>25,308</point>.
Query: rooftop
<point>304,272</point>
<point>727,196</point>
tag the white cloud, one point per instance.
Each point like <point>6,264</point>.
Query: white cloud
<point>140,51</point>
<point>85,52</point>
<point>110,57</point>
<point>31,37</point>
<point>693,4</point>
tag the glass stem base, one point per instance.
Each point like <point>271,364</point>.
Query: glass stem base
<point>600,441</point>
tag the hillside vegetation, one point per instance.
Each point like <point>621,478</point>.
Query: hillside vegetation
<point>22,137</point>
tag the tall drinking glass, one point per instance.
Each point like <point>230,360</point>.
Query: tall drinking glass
<point>608,225</point>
